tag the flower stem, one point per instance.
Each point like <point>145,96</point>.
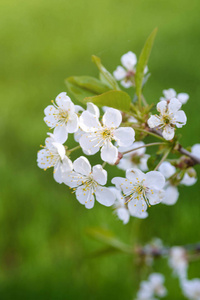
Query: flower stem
<point>162,159</point>
<point>103,164</point>
<point>150,133</point>
<point>147,145</point>
<point>74,149</point>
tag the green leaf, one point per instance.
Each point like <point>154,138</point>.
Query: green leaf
<point>105,76</point>
<point>85,86</point>
<point>142,62</point>
<point>116,99</point>
<point>109,239</point>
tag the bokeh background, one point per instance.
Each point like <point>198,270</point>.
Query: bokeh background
<point>45,252</point>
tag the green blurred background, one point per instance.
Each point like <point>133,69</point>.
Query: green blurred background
<point>44,250</point>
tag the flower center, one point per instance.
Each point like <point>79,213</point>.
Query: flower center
<point>63,116</point>
<point>107,134</point>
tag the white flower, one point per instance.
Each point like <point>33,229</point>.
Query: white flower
<point>141,190</point>
<point>62,115</point>
<point>170,116</point>
<point>100,136</point>
<point>126,75</point>
<point>178,261</point>
<point>171,93</point>
<point>121,207</point>
<point>88,182</point>
<point>171,191</point>
<point>153,287</point>
<point>53,155</point>
<point>187,180</point>
<point>134,159</point>
<point>191,288</point>
<point>196,150</point>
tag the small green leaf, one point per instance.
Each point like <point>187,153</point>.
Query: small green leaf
<point>85,86</point>
<point>105,76</point>
<point>142,62</point>
<point>116,99</point>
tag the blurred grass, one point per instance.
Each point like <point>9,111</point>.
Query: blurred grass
<point>44,251</point>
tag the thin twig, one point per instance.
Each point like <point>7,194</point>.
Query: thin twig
<point>147,145</point>
<point>163,158</point>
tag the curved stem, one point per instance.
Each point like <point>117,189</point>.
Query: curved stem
<point>147,145</point>
<point>74,149</point>
<point>162,159</point>
<point>150,133</point>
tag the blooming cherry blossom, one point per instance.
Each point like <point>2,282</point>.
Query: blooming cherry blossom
<point>191,288</point>
<point>100,135</point>
<point>53,155</point>
<point>170,116</point>
<point>133,159</point>
<point>141,190</point>
<point>62,115</point>
<point>171,93</point>
<point>178,261</point>
<point>88,183</point>
<point>126,73</point>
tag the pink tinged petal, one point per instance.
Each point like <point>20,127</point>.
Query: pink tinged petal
<point>154,179</point>
<point>112,118</point>
<point>104,196</point>
<point>135,175</point>
<point>183,97</point>
<point>170,93</point>
<point>60,149</point>
<point>126,83</point>
<point>162,107</point>
<point>180,118</point>
<point>90,143</point>
<point>60,134</point>
<point>109,153</point>
<point>82,166</point>
<point>168,132</point>
<point>85,196</point>
<point>196,150</point>
<point>124,136</point>
<point>61,98</point>
<point>119,73</point>
<point>167,169</point>
<point>154,121</point>
<point>99,174</point>
<point>129,60</point>
<point>123,214</point>
<point>89,122</point>
<point>171,195</point>
<point>93,109</point>
<point>174,105</point>
<point>72,124</point>
<point>137,206</point>
<point>155,196</point>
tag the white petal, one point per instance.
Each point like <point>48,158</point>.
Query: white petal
<point>129,60</point>
<point>142,215</point>
<point>82,166</point>
<point>104,196</point>
<point>68,106</point>
<point>183,97</point>
<point>109,153</point>
<point>73,179</point>
<point>143,163</point>
<point>187,180</point>
<point>196,150</point>
<point>124,136</point>
<point>60,134</point>
<point>72,124</point>
<point>167,169</point>
<point>93,109</point>
<point>171,195</point>
<point>162,107</point>
<point>112,118</point>
<point>90,143</point>
<point>138,152</point>
<point>146,69</point>
<point>44,160</point>
<point>123,214</point>
<point>154,179</point>
<point>125,163</point>
<point>78,109</point>
<point>62,97</point>
<point>58,174</point>
<point>51,116</point>
<point>137,206</point>
<point>135,175</point>
<point>126,83</point>
<point>155,196</point>
<point>89,122</point>
<point>174,105</point>
<point>119,181</point>
<point>119,73</point>
<point>85,196</point>
<point>154,121</point>
<point>60,149</point>
<point>170,93</point>
<point>99,174</point>
<point>168,132</point>
<point>180,118</point>
<point>78,134</point>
